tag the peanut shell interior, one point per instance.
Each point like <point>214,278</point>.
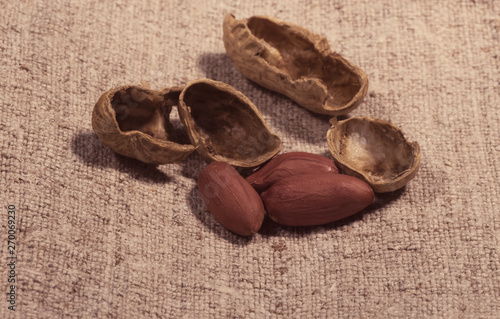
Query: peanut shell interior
<point>295,62</point>
<point>375,151</point>
<point>296,55</point>
<point>225,126</point>
<point>134,122</point>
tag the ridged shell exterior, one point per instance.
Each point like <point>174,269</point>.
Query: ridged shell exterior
<point>134,143</point>
<point>262,63</point>
<point>375,151</point>
<point>225,126</point>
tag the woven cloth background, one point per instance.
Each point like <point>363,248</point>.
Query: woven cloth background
<point>103,236</point>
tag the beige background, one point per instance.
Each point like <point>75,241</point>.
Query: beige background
<point>102,236</point>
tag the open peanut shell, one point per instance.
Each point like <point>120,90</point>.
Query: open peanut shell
<point>375,151</point>
<point>134,122</point>
<point>295,62</point>
<point>224,125</point>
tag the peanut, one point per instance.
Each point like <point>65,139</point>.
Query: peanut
<point>289,164</point>
<point>316,199</point>
<point>231,199</point>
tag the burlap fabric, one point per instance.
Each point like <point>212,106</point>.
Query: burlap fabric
<point>103,236</point>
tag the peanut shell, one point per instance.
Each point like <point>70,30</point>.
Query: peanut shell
<point>134,121</point>
<point>375,151</point>
<point>293,61</point>
<point>224,125</point>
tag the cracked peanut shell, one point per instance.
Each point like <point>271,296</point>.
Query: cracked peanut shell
<point>134,121</point>
<point>224,125</point>
<point>293,61</point>
<point>375,151</point>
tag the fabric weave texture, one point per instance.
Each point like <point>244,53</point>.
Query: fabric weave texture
<point>104,236</point>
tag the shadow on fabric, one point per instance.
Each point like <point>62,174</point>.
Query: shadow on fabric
<point>91,151</point>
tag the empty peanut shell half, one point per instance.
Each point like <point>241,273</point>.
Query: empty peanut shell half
<point>134,122</point>
<point>295,62</point>
<point>375,151</point>
<point>224,125</point>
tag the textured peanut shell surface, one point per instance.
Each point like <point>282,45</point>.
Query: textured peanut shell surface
<point>375,151</point>
<point>295,62</point>
<point>134,122</point>
<point>224,125</point>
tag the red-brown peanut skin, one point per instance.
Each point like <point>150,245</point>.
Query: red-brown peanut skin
<point>290,164</point>
<point>316,199</point>
<point>231,199</point>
